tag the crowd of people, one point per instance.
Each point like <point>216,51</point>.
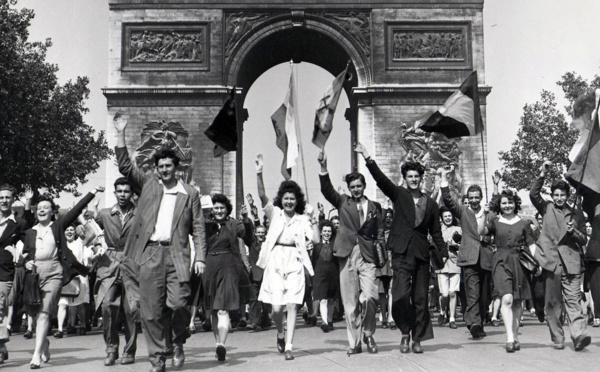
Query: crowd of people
<point>164,254</point>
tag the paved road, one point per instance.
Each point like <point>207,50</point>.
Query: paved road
<point>451,350</point>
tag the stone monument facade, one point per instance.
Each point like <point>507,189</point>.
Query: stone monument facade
<point>177,61</point>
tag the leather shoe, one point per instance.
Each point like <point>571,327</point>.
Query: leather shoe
<point>453,325</point>
<point>59,334</point>
<point>405,344</point>
<point>559,345</point>
<point>158,366</point>
<point>476,331</point>
<point>28,334</point>
<point>3,354</point>
<point>221,353</point>
<point>371,345</point>
<point>354,350</point>
<point>128,359</point>
<point>324,327</point>
<point>417,348</point>
<point>581,342</point>
<point>281,345</point>
<point>510,347</point>
<point>110,359</point>
<point>289,355</point>
<point>178,356</point>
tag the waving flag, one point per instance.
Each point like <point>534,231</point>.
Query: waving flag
<point>326,110</point>
<point>223,130</point>
<point>460,115</point>
<point>284,122</point>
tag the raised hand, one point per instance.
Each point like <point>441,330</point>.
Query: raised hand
<point>496,177</point>
<point>359,148</point>
<point>259,163</point>
<point>445,170</point>
<point>309,210</point>
<point>250,199</point>
<point>244,211</point>
<point>100,189</point>
<point>321,208</point>
<point>545,168</point>
<point>120,122</point>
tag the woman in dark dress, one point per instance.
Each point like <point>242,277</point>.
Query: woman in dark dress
<point>511,234</point>
<point>225,281</point>
<point>326,282</point>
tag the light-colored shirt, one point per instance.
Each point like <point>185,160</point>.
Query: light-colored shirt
<point>45,245</point>
<point>164,220</point>
<point>4,222</point>
<point>364,204</point>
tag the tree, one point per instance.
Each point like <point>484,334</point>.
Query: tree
<point>544,133</point>
<point>44,141</point>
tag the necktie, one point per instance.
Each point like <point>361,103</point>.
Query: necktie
<point>361,212</point>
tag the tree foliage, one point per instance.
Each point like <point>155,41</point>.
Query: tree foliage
<point>44,141</point>
<point>544,133</point>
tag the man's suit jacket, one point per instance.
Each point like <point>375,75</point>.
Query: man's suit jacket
<point>187,218</point>
<point>14,231</point>
<point>404,234</point>
<point>71,267</point>
<point>555,244</point>
<point>472,249</point>
<point>347,235</point>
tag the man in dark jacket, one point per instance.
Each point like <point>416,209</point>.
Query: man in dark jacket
<point>416,216</point>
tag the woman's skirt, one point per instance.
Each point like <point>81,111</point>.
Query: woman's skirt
<point>50,273</point>
<point>508,274</point>
<point>283,279</point>
<point>326,282</point>
<point>225,282</point>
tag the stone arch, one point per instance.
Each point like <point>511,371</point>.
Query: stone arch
<point>281,40</point>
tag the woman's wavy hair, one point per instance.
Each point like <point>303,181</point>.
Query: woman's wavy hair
<point>510,195</point>
<point>47,198</point>
<point>291,186</point>
<point>220,198</point>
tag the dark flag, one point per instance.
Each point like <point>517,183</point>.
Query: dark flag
<point>460,116</point>
<point>223,130</point>
<point>584,171</point>
<point>326,110</point>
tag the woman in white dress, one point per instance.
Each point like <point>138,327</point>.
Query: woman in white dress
<point>284,256</point>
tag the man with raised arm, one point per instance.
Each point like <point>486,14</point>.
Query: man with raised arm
<point>474,256</point>
<point>416,216</point>
<point>355,256</point>
<point>168,212</point>
<point>559,255</point>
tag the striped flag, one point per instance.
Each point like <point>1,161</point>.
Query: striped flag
<point>460,115</point>
<point>326,110</point>
<point>284,122</point>
<point>584,171</point>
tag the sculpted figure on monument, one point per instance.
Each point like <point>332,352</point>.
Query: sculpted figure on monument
<point>238,24</point>
<point>358,26</point>
<point>156,46</point>
<point>427,45</point>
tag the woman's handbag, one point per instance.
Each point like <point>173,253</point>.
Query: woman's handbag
<point>380,254</point>
<point>32,295</point>
<point>527,260</point>
<point>435,258</point>
<point>72,288</point>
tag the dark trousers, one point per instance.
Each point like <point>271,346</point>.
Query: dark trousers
<point>113,306</point>
<point>477,290</point>
<point>592,277</point>
<point>537,295</point>
<point>409,298</point>
<point>258,311</point>
<point>164,310</point>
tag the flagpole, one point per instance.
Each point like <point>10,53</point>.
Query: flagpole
<point>484,168</point>
<point>298,134</point>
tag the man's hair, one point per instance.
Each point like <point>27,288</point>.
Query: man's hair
<point>122,181</point>
<point>351,177</point>
<point>166,154</point>
<point>412,166</point>
<point>474,188</point>
<point>336,217</point>
<point>7,187</point>
<point>560,185</point>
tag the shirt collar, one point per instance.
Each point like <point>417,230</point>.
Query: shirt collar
<point>10,217</point>
<point>39,227</point>
<point>115,210</point>
<point>178,188</point>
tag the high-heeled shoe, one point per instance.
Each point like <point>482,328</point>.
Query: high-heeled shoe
<point>517,345</point>
<point>35,362</point>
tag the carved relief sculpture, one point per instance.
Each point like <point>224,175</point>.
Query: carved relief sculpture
<point>237,25</point>
<point>357,24</point>
<point>409,45</point>
<point>166,46</point>
<point>159,135</point>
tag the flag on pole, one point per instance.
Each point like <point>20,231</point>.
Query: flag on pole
<point>584,171</point>
<point>284,122</point>
<point>223,130</point>
<point>326,110</point>
<point>460,115</point>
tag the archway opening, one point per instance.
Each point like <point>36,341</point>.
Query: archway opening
<point>263,98</point>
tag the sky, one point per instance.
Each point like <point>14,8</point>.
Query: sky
<point>528,45</point>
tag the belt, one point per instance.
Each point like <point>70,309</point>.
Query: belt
<point>162,243</point>
<point>286,245</point>
<point>218,253</point>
